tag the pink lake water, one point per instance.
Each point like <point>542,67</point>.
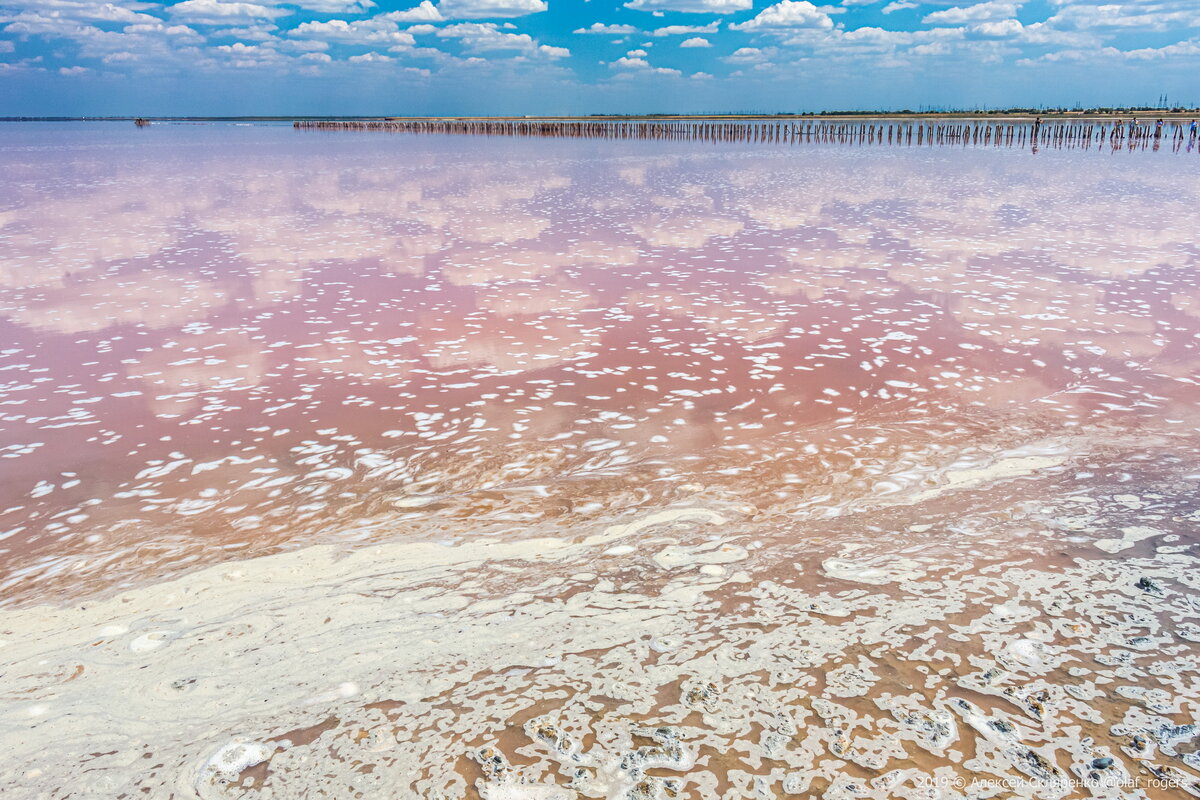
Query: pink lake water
<point>614,468</point>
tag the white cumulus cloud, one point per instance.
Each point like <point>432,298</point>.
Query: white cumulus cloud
<point>692,6</point>
<point>748,55</point>
<point>484,36</point>
<point>335,6</point>
<point>425,12</point>
<point>1000,28</point>
<point>222,12</point>
<point>366,31</point>
<point>980,12</point>
<point>683,30</point>
<point>613,30</point>
<point>789,14</point>
<point>484,9</point>
<point>636,65</point>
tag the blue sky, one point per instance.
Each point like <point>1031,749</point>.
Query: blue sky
<point>582,56</point>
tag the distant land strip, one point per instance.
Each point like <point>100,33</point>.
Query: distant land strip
<point>1015,115</point>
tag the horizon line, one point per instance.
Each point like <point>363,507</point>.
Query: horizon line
<point>906,113</point>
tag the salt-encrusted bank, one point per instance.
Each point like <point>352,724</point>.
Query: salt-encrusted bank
<point>692,651</point>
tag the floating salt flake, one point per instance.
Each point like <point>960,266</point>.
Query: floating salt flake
<point>674,556</point>
<point>1129,537</point>
<point>892,571</point>
<point>664,644</point>
<point>343,691</point>
<point>413,501</point>
<point>1029,652</point>
<point>230,761</point>
<point>151,640</point>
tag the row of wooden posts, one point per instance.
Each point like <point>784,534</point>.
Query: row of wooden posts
<point>1036,133</point>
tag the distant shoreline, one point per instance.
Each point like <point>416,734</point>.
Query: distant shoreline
<point>846,115</point>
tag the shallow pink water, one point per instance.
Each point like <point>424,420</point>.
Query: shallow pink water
<point>221,341</point>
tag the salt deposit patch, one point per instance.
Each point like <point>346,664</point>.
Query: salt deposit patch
<point>1129,537</point>
<point>876,571</point>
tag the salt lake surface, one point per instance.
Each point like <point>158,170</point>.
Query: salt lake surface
<point>370,465</point>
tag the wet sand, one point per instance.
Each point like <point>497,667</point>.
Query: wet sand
<point>442,467</point>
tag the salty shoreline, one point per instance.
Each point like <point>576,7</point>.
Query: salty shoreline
<point>729,631</point>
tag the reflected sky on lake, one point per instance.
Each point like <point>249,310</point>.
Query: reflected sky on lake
<point>222,340</point>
